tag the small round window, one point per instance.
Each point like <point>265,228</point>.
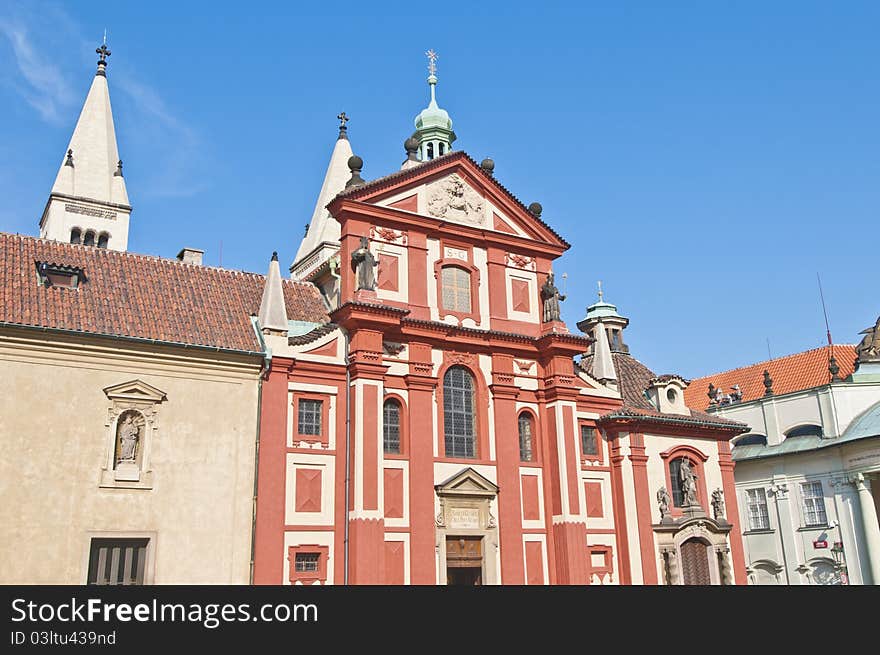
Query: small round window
<point>671,395</point>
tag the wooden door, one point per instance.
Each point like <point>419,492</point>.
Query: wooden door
<point>695,562</point>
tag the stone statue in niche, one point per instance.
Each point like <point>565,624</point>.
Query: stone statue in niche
<point>452,199</point>
<point>128,437</point>
<point>663,500</point>
<point>551,298</point>
<point>364,262</point>
<point>688,483</point>
<point>718,504</point>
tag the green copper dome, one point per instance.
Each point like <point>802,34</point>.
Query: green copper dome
<point>602,310</point>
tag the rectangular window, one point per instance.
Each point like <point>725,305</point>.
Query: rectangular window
<point>589,447</point>
<point>306,562</point>
<point>310,416</point>
<point>117,561</point>
<point>814,504</point>
<point>456,287</point>
<point>756,503</point>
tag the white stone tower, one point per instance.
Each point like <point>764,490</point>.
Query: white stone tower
<point>88,203</point>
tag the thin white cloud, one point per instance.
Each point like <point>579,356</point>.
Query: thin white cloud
<point>43,85</point>
<point>42,37</point>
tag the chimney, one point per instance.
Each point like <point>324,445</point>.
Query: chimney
<point>191,256</point>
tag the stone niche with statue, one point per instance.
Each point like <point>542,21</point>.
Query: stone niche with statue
<point>132,423</point>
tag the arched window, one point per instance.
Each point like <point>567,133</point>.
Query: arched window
<point>455,283</point>
<point>442,149</point>
<point>89,239</point>
<point>76,235</point>
<point>391,426</point>
<point>677,480</point>
<point>804,431</point>
<point>526,440</point>
<point>103,239</point>
<point>458,413</point>
<point>430,151</point>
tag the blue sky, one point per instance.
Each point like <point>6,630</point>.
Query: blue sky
<point>705,160</point>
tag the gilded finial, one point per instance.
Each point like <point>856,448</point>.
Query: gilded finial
<point>600,290</point>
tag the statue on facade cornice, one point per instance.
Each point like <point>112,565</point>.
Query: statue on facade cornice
<point>551,298</point>
<point>663,500</point>
<point>364,262</point>
<point>718,504</point>
<point>869,348</point>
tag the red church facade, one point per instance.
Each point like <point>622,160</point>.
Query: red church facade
<point>437,429</point>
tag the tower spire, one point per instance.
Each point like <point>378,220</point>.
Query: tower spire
<point>433,125</point>
<point>89,201</point>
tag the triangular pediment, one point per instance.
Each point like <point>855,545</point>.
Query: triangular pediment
<point>454,188</point>
<point>135,390</point>
<point>467,482</point>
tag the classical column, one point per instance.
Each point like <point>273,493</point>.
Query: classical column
<point>724,565</point>
<point>643,507</point>
<point>870,525</point>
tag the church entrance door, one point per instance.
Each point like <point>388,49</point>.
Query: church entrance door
<point>695,562</point>
<point>464,560</point>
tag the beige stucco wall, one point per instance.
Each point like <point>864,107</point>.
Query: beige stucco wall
<point>53,416</point>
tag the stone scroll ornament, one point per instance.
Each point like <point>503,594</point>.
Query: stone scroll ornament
<point>128,440</point>
<point>364,262</point>
<point>551,298</point>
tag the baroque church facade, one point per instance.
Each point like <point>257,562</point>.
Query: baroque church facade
<point>407,404</point>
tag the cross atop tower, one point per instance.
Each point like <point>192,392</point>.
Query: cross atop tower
<point>432,62</point>
<point>103,53</point>
<point>343,119</point>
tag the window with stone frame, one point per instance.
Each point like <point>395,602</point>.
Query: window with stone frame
<point>391,427</point>
<point>117,561</point>
<point>309,415</point>
<point>455,289</point>
<point>589,444</point>
<point>526,438</point>
<point>756,508</point>
<point>814,504</point>
<point>459,420</point>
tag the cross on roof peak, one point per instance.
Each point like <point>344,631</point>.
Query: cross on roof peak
<point>432,61</point>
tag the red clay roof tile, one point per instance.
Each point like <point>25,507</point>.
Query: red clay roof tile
<point>141,296</point>
<point>803,370</point>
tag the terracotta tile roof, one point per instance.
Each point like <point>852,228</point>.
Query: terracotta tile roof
<point>140,296</point>
<point>633,378</point>
<point>803,370</point>
<point>407,173</point>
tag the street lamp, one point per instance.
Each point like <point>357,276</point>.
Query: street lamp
<point>837,553</point>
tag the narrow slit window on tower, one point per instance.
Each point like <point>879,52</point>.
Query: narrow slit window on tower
<point>391,427</point>
<point>441,148</point>
<point>526,451</point>
<point>430,151</point>
<point>76,235</point>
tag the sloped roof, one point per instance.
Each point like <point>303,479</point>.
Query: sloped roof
<point>633,378</point>
<point>140,296</point>
<point>791,373</point>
